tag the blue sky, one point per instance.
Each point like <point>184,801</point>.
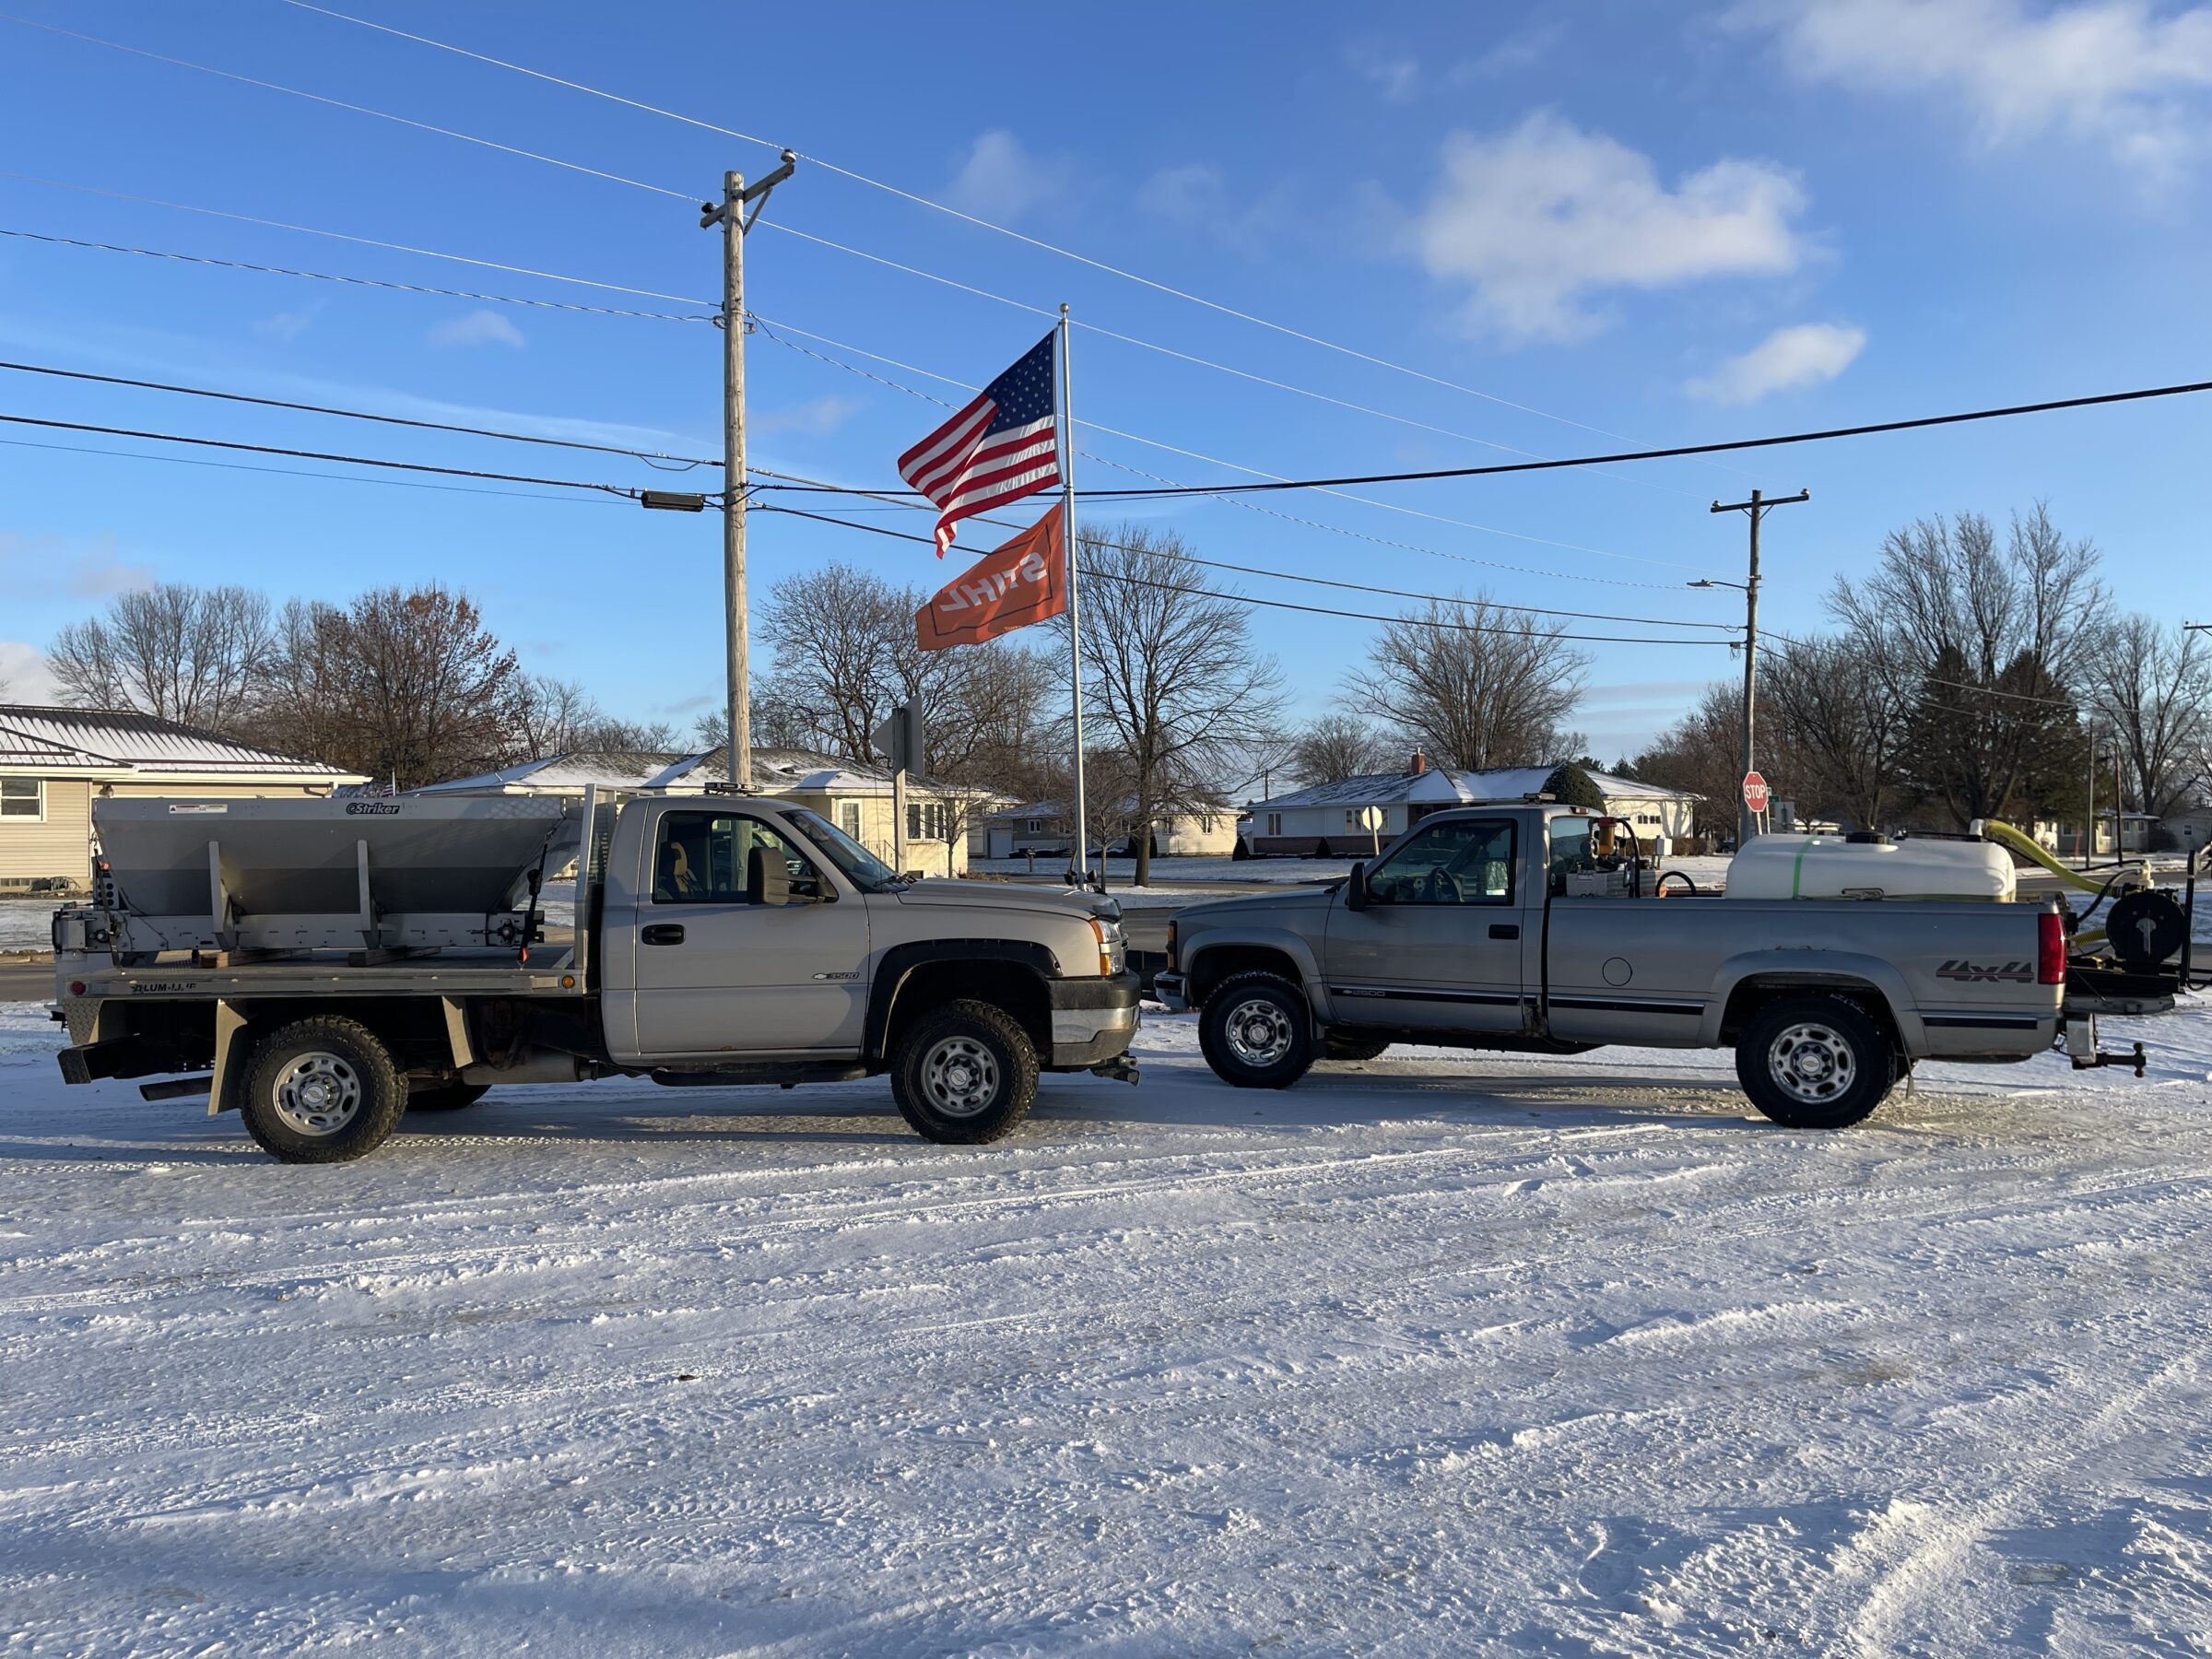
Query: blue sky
<point>1669,223</point>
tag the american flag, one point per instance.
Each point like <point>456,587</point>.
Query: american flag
<point>997,450</point>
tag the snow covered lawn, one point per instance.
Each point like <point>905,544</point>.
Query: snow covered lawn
<point>27,923</point>
<point>1431,1355</point>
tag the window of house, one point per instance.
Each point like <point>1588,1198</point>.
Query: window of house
<point>705,857</point>
<point>926,820</point>
<point>22,798</point>
<point>848,817</point>
<point>1274,823</point>
<point>1036,826</point>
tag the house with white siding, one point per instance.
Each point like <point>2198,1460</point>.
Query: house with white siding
<point>54,762</point>
<point>857,799</point>
<point>1334,819</point>
<point>1046,828</point>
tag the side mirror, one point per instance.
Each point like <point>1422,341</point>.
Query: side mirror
<point>767,878</point>
<point>1355,889</point>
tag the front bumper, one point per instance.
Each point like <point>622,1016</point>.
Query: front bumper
<point>1168,990</point>
<point>1093,1020</point>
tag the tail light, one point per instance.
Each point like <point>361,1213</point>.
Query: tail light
<point>2051,949</point>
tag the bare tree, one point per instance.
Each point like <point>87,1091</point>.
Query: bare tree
<point>560,717</point>
<point>1841,710</point>
<point>193,655</point>
<point>2151,687</point>
<point>1170,671</point>
<point>1985,639</point>
<point>1339,746</point>
<point>1474,686</point>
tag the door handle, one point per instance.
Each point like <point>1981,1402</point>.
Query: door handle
<point>662,932</point>
<point>1499,930</point>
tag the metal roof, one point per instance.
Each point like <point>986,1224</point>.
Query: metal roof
<point>1437,784</point>
<point>116,740</point>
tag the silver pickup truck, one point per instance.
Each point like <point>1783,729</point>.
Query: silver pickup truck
<point>323,967</point>
<point>1503,927</point>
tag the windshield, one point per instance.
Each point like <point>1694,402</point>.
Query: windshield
<point>861,867</point>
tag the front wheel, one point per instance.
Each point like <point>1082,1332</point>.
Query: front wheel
<point>1816,1062</point>
<point>1256,1031</point>
<point>321,1092</point>
<point>964,1073</point>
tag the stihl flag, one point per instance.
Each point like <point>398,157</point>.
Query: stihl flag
<point>997,450</point>
<point>1024,581</point>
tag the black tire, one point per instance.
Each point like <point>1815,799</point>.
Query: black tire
<point>1816,1062</point>
<point>964,1074</point>
<point>1350,1045</point>
<point>447,1096</point>
<point>1256,1031</point>
<point>320,1091</point>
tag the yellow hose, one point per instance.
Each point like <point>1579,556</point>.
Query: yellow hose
<point>2032,850</point>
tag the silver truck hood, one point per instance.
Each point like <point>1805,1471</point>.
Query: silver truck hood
<point>1290,897</point>
<point>998,895</point>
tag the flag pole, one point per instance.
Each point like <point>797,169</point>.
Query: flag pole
<point>1079,850</point>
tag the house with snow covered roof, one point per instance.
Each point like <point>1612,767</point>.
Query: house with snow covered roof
<point>55,761</point>
<point>857,799</point>
<point>1046,828</point>
<point>1330,820</point>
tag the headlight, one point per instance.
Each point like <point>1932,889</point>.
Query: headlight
<point>1114,949</point>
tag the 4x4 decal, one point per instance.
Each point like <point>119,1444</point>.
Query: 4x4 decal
<point>1975,974</point>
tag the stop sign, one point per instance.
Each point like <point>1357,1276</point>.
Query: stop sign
<point>1755,792</point>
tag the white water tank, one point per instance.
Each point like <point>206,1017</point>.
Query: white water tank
<point>1829,867</point>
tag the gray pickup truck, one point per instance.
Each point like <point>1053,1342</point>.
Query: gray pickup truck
<point>323,967</point>
<point>1503,927</point>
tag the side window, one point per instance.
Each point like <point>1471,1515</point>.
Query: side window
<point>703,858</point>
<point>848,817</point>
<point>22,797</point>
<point>1570,851</point>
<point>1469,861</point>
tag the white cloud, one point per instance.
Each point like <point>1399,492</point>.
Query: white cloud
<point>46,566</point>
<point>1001,181</point>
<point>286,327</point>
<point>23,674</point>
<point>1395,74</point>
<point>1539,220</point>
<point>1196,198</point>
<point>477,328</point>
<point>2108,70</point>
<point>1801,356</point>
<point>816,419</point>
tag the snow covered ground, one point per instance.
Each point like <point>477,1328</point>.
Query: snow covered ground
<point>1434,1354</point>
<point>27,923</point>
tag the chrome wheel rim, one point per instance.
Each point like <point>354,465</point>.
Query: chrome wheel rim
<point>1259,1034</point>
<point>317,1094</point>
<point>961,1076</point>
<point>1812,1063</point>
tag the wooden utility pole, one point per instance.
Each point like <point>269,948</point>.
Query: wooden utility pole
<point>1746,821</point>
<point>731,215</point>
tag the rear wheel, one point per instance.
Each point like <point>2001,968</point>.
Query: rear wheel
<point>321,1092</point>
<point>1351,1045</point>
<point>1816,1062</point>
<point>446,1097</point>
<point>1256,1031</point>
<point>964,1073</point>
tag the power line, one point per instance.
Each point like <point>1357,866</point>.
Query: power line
<point>366,241</point>
<point>982,223</point>
<point>1915,424</point>
<point>768,327</point>
<point>404,287</point>
<point>301,454</point>
<point>293,471</point>
<point>1316,610</point>
<point>1357,587</point>
<point>339,103</point>
<point>649,456</point>
<point>578,167</point>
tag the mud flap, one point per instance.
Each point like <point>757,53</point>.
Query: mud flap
<point>229,1025</point>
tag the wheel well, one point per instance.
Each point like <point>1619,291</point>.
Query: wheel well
<point>1216,964</point>
<point>1752,995</point>
<point>1013,987</point>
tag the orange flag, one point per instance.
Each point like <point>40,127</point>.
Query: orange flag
<point>1021,583</point>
